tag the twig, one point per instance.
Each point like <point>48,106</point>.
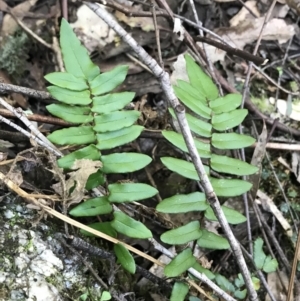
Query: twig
<point>164,4</point>
<point>101,282</point>
<point>273,81</point>
<point>163,77</point>
<point>281,73</point>
<point>294,268</point>
<point>38,118</point>
<point>138,62</point>
<point>246,84</point>
<point>29,31</point>
<point>5,88</point>
<point>38,135</point>
<point>156,34</point>
<point>248,9</point>
<point>273,239</point>
<point>271,64</point>
<point>64,8</point>
<point>234,51</point>
<point>281,189</point>
<point>29,135</point>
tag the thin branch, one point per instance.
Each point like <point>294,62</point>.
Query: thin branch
<point>38,118</point>
<point>6,88</point>
<point>38,135</point>
<point>29,135</point>
<point>273,81</point>
<point>234,51</point>
<point>294,268</point>
<point>157,35</point>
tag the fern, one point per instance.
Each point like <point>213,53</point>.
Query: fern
<point>212,115</point>
<point>99,124</point>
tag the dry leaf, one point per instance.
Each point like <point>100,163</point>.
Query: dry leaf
<point>16,177</point>
<point>57,187</point>
<point>9,25</point>
<point>248,32</point>
<point>145,23</point>
<point>296,165</point>
<point>269,206</point>
<point>19,98</point>
<point>178,29</point>
<point>84,168</point>
<point>244,14</point>
<point>291,110</point>
<point>275,286</point>
<point>179,70</point>
<point>91,30</point>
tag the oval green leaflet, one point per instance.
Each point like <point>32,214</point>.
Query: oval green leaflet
<point>125,258</point>
<point>126,225</point>
<point>183,234</point>
<point>180,263</point>
<point>67,80</point>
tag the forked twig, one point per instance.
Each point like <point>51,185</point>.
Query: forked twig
<point>38,136</point>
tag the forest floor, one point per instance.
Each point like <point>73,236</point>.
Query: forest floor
<point>38,260</point>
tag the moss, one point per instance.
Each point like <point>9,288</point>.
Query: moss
<point>263,105</point>
<point>13,54</point>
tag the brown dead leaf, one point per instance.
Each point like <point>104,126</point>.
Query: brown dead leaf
<point>205,263</point>
<point>37,73</point>
<point>9,25</point>
<point>244,13</point>
<point>275,286</point>
<point>19,98</point>
<point>269,206</point>
<point>78,178</point>
<point>247,32</point>
<point>16,177</point>
<point>145,23</point>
